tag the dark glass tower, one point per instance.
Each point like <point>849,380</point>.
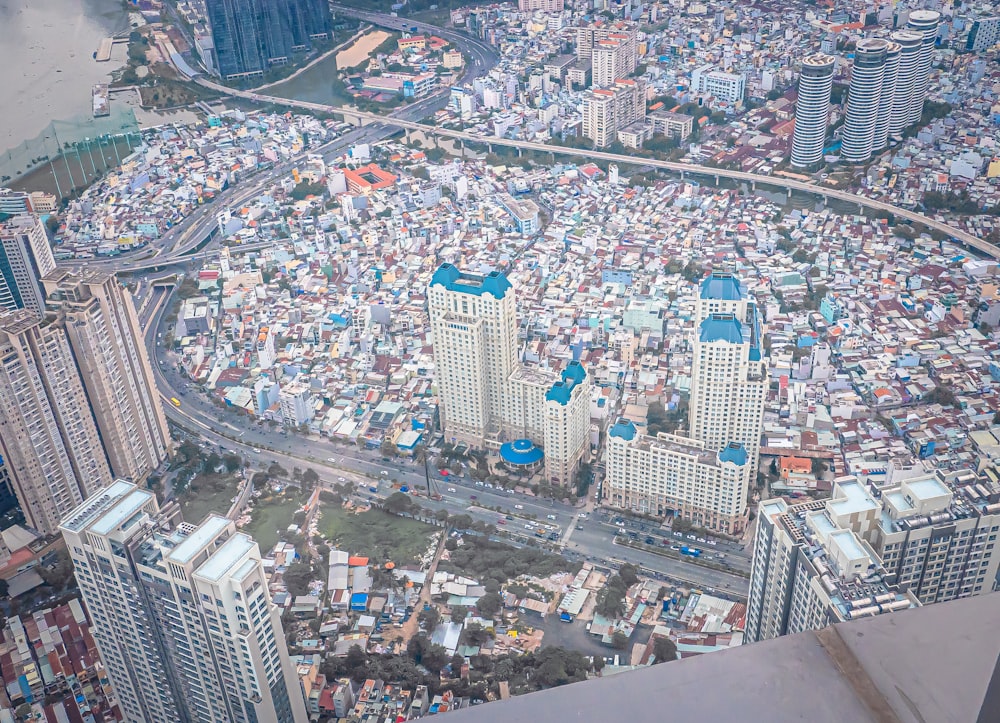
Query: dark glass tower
<point>251,35</point>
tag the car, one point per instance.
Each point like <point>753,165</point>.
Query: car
<point>501,521</point>
<point>721,556</point>
<point>712,542</point>
<point>331,459</point>
<point>451,489</point>
<point>508,517</point>
<point>633,535</point>
<point>341,479</point>
<point>518,507</point>
<point>529,527</point>
<point>550,517</point>
<point>473,497</point>
<point>678,534</point>
<point>692,537</point>
<point>649,541</point>
<point>701,539</point>
<point>479,483</point>
<point>666,540</point>
<point>489,486</point>
<point>256,451</point>
<point>675,547</point>
<point>579,527</point>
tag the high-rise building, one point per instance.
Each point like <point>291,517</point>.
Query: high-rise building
<point>728,87</point>
<point>249,36</point>
<point>924,22</point>
<point>910,44</point>
<point>984,34</point>
<point>608,62</point>
<point>625,33</point>
<point>103,331</point>
<point>863,100</point>
<point>812,109</point>
<point>925,538</point>
<point>811,570</point>
<point>669,474</point>
<point>487,399</point>
<point>545,6</point>
<point>729,371</point>
<point>887,95</point>
<point>608,110</point>
<point>48,439</point>
<point>25,257</point>
<point>181,613</point>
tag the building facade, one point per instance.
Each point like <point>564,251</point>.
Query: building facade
<point>729,379</point>
<point>48,440</point>
<point>545,6</point>
<point>669,474</point>
<point>924,22</point>
<point>181,613</point>
<point>927,538</point>
<point>249,36</point>
<point>485,396</point>
<point>812,110</point>
<point>809,570</point>
<point>863,100</point>
<point>985,33</point>
<point>910,44</point>
<point>103,331</point>
<point>728,87</point>
<point>608,110</point>
<point>25,257</point>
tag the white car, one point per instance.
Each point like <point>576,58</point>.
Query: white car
<point>331,459</point>
<point>518,507</point>
<point>451,489</point>
<point>712,542</point>
<point>551,517</point>
<point>341,479</point>
<point>529,527</point>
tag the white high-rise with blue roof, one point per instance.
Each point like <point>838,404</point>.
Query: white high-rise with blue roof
<point>530,417</point>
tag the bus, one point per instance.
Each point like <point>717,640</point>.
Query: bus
<point>175,401</point>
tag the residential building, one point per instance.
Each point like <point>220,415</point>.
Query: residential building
<point>524,211</point>
<point>812,109</point>
<point>727,87</point>
<point>25,257</point>
<point>249,36</point>
<point>669,474</point>
<point>294,401</point>
<point>48,439</point>
<point>863,100</point>
<point>890,73</point>
<point>924,22</point>
<point>487,400</point>
<point>608,62</point>
<point>910,44</point>
<point>607,110</point>
<point>729,378</point>
<point>673,125</point>
<point>985,33</point>
<point>107,343</point>
<point>545,6</point>
<point>181,612</point>
<point>810,571</point>
<point>588,36</point>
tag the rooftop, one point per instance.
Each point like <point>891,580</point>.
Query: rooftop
<point>927,664</point>
<point>452,279</point>
<point>225,557</point>
<point>722,327</point>
<point>97,505</point>
<point>573,374</point>
<point>196,541</point>
<point>121,512</point>
<point>721,286</point>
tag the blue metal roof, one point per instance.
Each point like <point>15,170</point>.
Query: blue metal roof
<point>722,286</point>
<point>734,452</point>
<point>573,374</point>
<point>521,452</point>
<point>722,327</point>
<point>624,430</point>
<point>451,278</point>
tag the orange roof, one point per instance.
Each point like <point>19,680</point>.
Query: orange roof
<point>355,561</point>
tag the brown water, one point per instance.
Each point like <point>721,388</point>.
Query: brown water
<point>47,68</point>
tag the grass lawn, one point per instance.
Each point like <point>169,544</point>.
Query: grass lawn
<point>271,514</point>
<point>208,493</point>
<point>376,534</point>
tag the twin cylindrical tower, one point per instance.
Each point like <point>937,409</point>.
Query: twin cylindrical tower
<point>812,109</point>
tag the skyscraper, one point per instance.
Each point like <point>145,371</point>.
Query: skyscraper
<point>924,22</point>
<point>863,100</point>
<point>181,613</point>
<point>886,96</point>
<point>48,438</point>
<point>487,399</point>
<point>812,109</point>
<point>251,35</point>
<point>920,539</point>
<point>909,59</point>
<point>729,372</point>
<point>25,256</point>
<point>107,343</point>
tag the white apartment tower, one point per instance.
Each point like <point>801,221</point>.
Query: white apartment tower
<point>545,6</point>
<point>812,109</point>
<point>103,330</point>
<point>48,438</point>
<point>890,73</point>
<point>928,538</point>
<point>182,616</point>
<point>864,100</point>
<point>607,110</point>
<point>729,372</point>
<point>487,399</point>
<point>25,257</point>
<point>810,570</point>
<point>910,44</point>
<point>924,22</point>
<point>608,62</point>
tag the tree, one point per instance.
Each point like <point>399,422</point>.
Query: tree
<point>457,661</point>
<point>818,467</point>
<point>297,578</point>
<point>619,641</point>
<point>310,478</point>
<point>489,605</point>
<point>459,613</point>
<point>429,618</point>
<point>598,664</point>
<point>610,601</point>
<point>397,503</point>
<point>629,574</point>
<point>3,588</point>
<point>664,649</point>
<point>277,471</point>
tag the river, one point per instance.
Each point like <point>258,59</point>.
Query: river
<point>47,68</point>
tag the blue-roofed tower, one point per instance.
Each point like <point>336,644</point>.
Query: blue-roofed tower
<point>728,372</point>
